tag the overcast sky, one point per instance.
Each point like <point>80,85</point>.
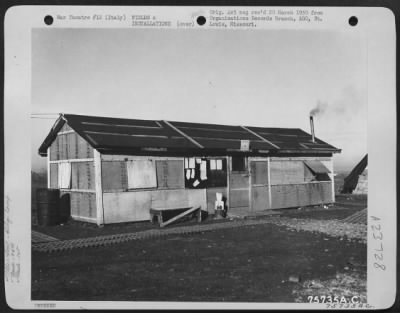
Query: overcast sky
<point>256,78</point>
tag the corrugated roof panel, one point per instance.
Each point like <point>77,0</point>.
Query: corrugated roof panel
<point>106,140</point>
<point>108,133</point>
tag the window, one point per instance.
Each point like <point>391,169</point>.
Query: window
<point>141,174</point>
<point>319,170</point>
<point>238,164</point>
<point>170,174</point>
<point>216,172</point>
<point>64,175</point>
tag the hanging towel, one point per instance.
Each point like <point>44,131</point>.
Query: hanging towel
<point>192,163</point>
<point>213,164</point>
<point>203,170</point>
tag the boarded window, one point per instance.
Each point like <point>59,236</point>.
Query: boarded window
<point>64,175</point>
<point>114,175</point>
<point>141,174</point>
<point>170,174</point>
<point>287,172</point>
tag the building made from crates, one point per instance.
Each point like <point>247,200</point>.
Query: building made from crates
<point>116,170</point>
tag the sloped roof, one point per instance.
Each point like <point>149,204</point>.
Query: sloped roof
<point>109,135</point>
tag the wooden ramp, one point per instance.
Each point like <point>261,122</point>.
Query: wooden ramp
<point>159,214</point>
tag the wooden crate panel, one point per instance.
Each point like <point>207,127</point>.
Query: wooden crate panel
<point>170,174</point>
<point>82,175</point>
<point>54,176</point>
<point>287,172</point>
<point>114,175</point>
<point>83,204</point>
<point>72,148</point>
<point>62,147</point>
<point>238,181</point>
<point>239,198</point>
<point>259,172</point>
<point>179,198</point>
<point>84,150</point>
<point>54,153</point>
<point>285,196</point>
<point>211,197</point>
<point>260,198</point>
<point>126,206</point>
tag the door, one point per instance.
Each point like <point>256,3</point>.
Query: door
<point>239,185</point>
<point>259,185</point>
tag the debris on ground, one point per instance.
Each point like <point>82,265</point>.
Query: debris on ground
<point>334,228</point>
<point>343,285</point>
<point>360,217</point>
<point>294,278</point>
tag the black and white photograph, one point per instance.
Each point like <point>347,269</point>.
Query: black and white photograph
<point>220,156</point>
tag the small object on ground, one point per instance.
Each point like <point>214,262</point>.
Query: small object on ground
<point>299,208</point>
<point>330,265</point>
<point>294,278</point>
<point>326,250</point>
<point>346,268</point>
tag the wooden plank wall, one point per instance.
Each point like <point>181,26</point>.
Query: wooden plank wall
<point>82,175</point>
<point>70,146</point>
<point>135,205</point>
<point>286,196</point>
<point>54,176</point>
<point>83,204</point>
<point>287,172</point>
<point>114,176</point>
<point>239,190</point>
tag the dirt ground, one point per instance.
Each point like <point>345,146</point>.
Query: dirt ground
<point>250,263</point>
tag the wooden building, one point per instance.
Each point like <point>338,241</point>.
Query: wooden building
<point>116,170</point>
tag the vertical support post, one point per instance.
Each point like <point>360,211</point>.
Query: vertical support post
<point>99,188</point>
<point>250,188</point>
<point>228,177</point>
<point>48,168</point>
<point>332,175</point>
<point>269,182</point>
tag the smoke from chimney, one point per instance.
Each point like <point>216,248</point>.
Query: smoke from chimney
<point>312,128</point>
<point>319,108</point>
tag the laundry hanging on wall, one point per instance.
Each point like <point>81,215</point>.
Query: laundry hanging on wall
<point>209,172</point>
